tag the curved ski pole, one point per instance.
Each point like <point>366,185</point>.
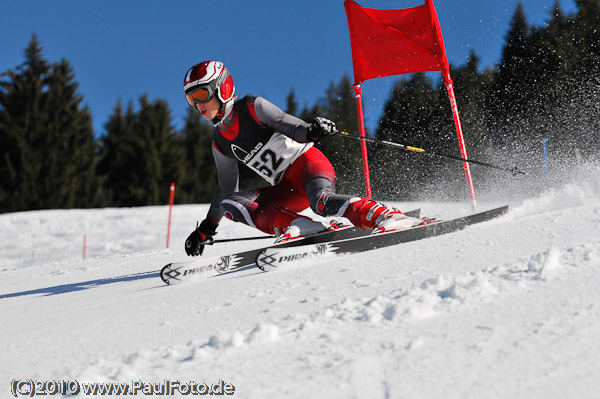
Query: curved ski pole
<point>413,213</point>
<point>514,170</point>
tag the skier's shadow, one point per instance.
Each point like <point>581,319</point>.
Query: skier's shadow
<point>84,285</point>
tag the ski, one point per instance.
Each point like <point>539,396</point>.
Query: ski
<point>197,269</point>
<point>272,258</point>
<point>179,272</point>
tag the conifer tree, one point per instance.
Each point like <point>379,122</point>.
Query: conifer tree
<point>471,87</point>
<point>544,85</point>
<point>117,157</point>
<point>163,155</point>
<point>586,26</point>
<point>48,150</point>
<point>514,82</point>
<point>142,155</point>
<point>199,181</point>
<point>292,105</point>
<point>411,117</point>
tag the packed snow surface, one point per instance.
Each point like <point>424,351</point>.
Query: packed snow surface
<point>506,309</point>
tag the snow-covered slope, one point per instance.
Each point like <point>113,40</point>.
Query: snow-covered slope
<point>505,309</point>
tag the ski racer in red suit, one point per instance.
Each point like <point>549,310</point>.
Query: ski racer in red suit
<point>278,147</point>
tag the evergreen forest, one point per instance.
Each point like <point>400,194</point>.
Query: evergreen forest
<point>545,89</point>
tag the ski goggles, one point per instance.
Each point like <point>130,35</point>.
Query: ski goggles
<point>200,96</point>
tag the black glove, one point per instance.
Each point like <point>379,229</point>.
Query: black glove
<point>194,245</point>
<point>320,128</point>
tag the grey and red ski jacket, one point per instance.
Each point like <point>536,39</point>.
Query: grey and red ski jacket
<point>258,134</point>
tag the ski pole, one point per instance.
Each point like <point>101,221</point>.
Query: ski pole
<point>211,241</point>
<point>414,213</point>
<point>514,170</point>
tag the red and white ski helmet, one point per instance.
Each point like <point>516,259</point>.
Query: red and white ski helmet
<point>210,75</point>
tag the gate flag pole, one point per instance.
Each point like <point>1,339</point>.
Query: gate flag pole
<point>461,141</point>
<point>450,88</point>
<point>363,143</point>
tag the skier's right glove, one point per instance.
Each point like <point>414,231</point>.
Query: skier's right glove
<point>203,235</point>
<point>321,127</point>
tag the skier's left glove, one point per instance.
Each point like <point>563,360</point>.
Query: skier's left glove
<point>203,235</point>
<point>321,127</point>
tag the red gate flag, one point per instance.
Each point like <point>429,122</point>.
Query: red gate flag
<point>394,42</point>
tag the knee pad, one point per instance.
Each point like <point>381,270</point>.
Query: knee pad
<point>331,204</point>
<point>237,207</point>
<point>322,197</point>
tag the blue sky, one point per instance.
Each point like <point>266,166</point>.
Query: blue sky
<point>123,49</point>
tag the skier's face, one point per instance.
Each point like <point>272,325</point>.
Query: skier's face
<point>209,110</point>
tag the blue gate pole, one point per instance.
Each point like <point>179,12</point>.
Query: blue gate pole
<point>545,152</point>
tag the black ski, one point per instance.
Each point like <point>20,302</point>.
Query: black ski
<point>272,258</point>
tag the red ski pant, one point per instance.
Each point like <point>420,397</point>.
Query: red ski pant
<point>308,182</point>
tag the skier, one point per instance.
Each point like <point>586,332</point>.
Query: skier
<point>278,147</point>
